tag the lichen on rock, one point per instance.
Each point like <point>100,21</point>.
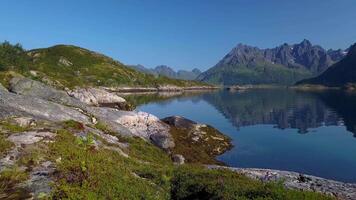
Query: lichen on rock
<point>197,143</point>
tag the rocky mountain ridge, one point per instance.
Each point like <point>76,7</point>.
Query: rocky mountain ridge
<point>341,74</point>
<point>251,65</point>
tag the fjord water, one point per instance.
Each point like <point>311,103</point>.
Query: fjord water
<point>307,132</point>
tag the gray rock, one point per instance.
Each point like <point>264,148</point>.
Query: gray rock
<point>28,87</point>
<point>164,141</point>
<point>39,101</point>
<point>180,122</point>
<point>178,159</point>
<point>30,137</point>
<point>138,124</point>
<point>19,105</point>
<point>19,140</point>
<point>293,180</point>
<point>40,180</point>
<point>64,61</point>
<point>24,121</point>
<point>95,96</point>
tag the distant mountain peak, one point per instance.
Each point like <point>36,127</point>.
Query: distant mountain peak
<point>167,71</point>
<point>299,60</point>
<point>340,74</point>
<point>306,43</point>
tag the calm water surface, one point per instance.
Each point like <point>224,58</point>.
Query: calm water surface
<point>312,133</point>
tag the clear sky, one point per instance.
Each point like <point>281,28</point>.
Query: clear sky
<point>180,33</point>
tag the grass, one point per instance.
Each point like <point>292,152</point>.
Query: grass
<point>92,69</point>
<point>4,145</point>
<point>84,68</point>
<point>196,182</point>
<point>11,127</point>
<point>84,171</point>
<point>71,124</point>
<point>9,178</point>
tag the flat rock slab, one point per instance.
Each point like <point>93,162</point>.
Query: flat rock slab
<point>28,87</point>
<point>294,180</point>
<point>95,96</point>
<point>28,106</point>
<point>140,124</point>
<point>30,137</point>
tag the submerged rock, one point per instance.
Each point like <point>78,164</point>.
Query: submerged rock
<point>198,143</point>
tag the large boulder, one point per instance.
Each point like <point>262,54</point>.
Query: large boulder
<point>138,124</point>
<point>29,87</point>
<point>99,97</point>
<point>198,143</point>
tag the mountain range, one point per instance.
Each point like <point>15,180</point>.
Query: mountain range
<point>340,74</point>
<point>164,70</point>
<point>282,65</point>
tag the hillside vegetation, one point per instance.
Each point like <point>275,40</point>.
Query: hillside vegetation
<point>69,66</point>
<point>90,168</point>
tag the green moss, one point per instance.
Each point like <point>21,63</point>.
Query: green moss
<point>147,152</point>
<point>71,124</point>
<point>11,127</point>
<point>196,182</point>
<point>97,174</point>
<point>9,178</point>
<point>103,127</point>
<point>204,150</point>
<point>33,155</point>
<point>4,145</point>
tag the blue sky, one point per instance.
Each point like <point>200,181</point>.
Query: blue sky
<point>180,33</point>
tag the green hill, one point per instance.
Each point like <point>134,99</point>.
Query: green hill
<point>69,66</point>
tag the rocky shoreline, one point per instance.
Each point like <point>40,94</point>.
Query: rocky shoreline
<point>159,89</point>
<point>298,181</point>
<point>27,102</point>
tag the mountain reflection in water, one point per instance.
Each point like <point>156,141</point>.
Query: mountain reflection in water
<point>285,129</point>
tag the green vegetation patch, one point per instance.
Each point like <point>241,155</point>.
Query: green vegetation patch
<point>87,173</point>
<point>11,127</point>
<point>71,66</point>
<point>9,178</point>
<point>210,144</point>
<point>196,182</point>
<point>5,145</point>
